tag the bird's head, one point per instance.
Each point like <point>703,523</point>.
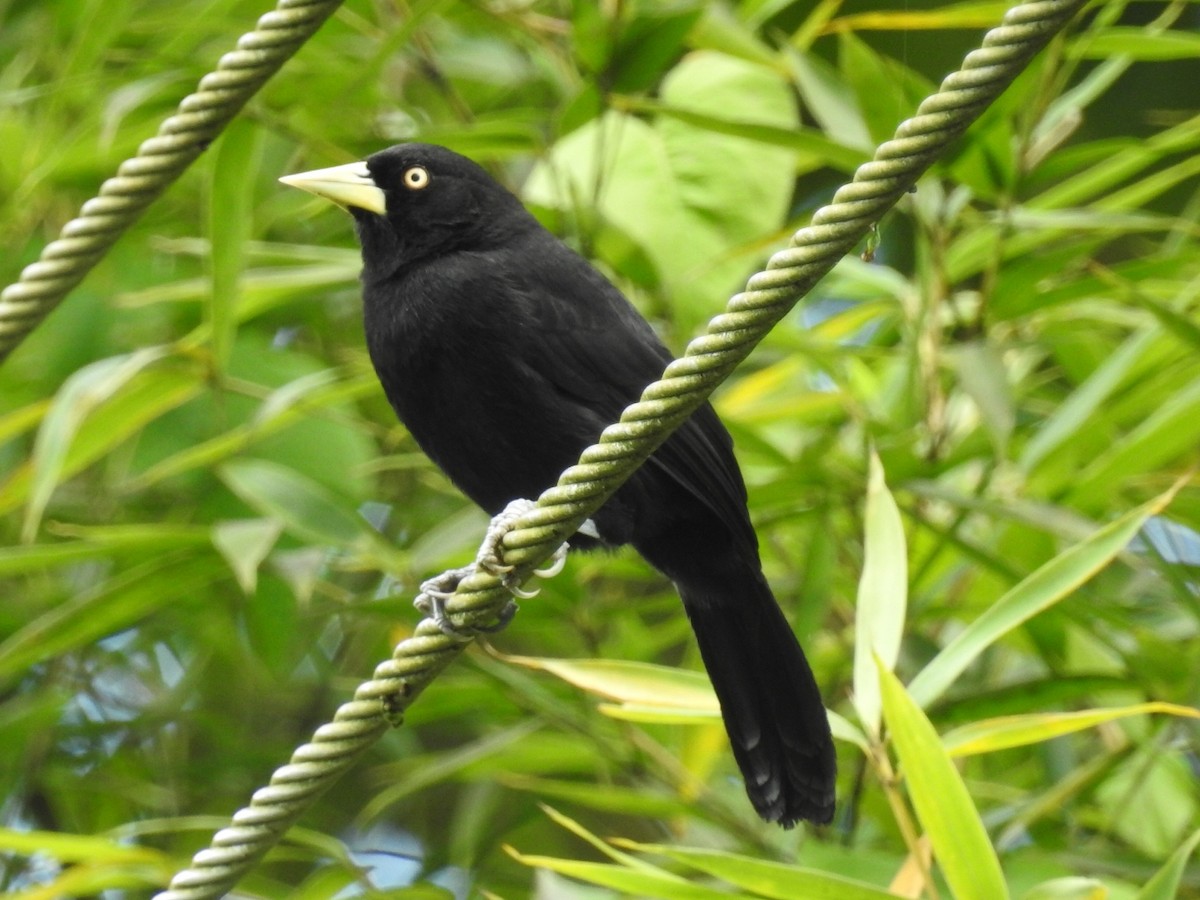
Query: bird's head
<point>415,201</point>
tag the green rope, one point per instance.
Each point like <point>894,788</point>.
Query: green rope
<point>581,490</point>
<point>139,181</point>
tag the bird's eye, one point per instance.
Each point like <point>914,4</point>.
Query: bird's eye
<point>416,178</point>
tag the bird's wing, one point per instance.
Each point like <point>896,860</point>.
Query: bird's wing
<point>592,345</point>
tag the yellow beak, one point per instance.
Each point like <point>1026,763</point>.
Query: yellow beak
<point>347,186</point>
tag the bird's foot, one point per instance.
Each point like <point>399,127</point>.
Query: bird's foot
<point>436,591</point>
<point>432,602</point>
<point>489,551</point>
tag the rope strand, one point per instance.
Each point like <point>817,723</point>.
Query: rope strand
<point>160,160</point>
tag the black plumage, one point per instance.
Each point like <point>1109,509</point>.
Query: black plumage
<point>505,354</point>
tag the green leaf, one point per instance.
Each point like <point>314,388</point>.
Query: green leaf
<point>971,14</point>
<point>830,101</point>
<point>886,91</point>
<point>630,874</point>
<point>602,797</point>
<point>245,544</point>
<point>1171,430</point>
<point>844,730</point>
<point>70,848</point>
<point>452,536</point>
<point>982,374</point>
<point>447,765</point>
<point>1071,888</point>
<point>1098,181</point>
<point>305,508</point>
<point>99,543</point>
<point>1139,44</point>
<point>1161,779</point>
<point>882,596</point>
<point>297,402</point>
<point>22,420</point>
<point>603,846</point>
<point>631,682</point>
<point>78,398</point>
<point>1036,593</point>
<point>301,569</point>
<point>1069,416</point>
<point>85,430</point>
<point>651,885</point>
<point>651,41</point>
<point>766,878</point>
<point>718,29</point>
<point>93,614</point>
<point>990,735</point>
<point>812,147</point>
<point>1166,881</point>
<point>648,714</point>
<point>657,181</point>
<point>960,842</point>
<point>236,161</point>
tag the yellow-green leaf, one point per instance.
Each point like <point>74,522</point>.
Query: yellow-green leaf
<point>637,683</point>
<point>767,878</point>
<point>1002,733</point>
<point>960,842</point>
<point>882,596</point>
<point>1041,590</point>
<point>77,399</point>
<point>1165,883</point>
<point>245,544</point>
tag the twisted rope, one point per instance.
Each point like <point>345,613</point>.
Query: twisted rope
<point>603,467</point>
<point>198,120</point>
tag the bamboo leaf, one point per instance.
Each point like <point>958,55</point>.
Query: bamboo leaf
<point>230,224</point>
<point>307,509</point>
<point>882,596</point>
<point>652,885</point>
<point>1171,430</point>
<point>111,607</point>
<point>960,842</point>
<point>1166,881</point>
<point>984,377</point>
<point>1038,592</point>
<point>631,682</point>
<point>1071,888</point>
<point>990,735</point>
<point>86,430</point>
<point>1140,44</point>
<point>79,397</point>
<point>1066,420</point>
<point>766,878</point>
<point>245,544</point>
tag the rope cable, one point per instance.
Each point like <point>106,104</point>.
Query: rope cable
<point>198,120</point>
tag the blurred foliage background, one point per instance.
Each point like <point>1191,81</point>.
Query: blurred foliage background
<point>212,524</point>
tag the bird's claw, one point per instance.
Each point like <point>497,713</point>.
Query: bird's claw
<point>558,560</point>
<point>433,596</point>
<point>432,602</point>
<point>489,552</point>
<point>488,557</point>
<point>436,591</point>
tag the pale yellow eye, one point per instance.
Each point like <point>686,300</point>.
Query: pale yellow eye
<point>416,178</point>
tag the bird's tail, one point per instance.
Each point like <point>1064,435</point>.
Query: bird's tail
<point>769,700</point>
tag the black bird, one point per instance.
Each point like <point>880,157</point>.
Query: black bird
<point>505,354</point>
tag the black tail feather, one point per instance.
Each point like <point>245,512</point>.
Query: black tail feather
<point>769,700</point>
